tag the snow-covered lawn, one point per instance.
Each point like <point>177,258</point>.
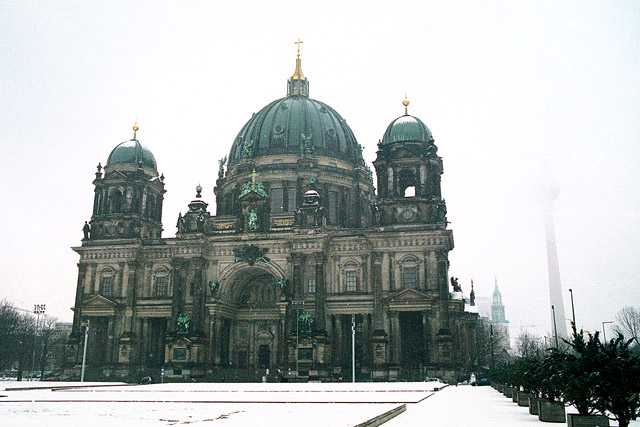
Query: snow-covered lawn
<point>233,404</point>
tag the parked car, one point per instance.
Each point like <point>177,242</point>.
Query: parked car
<point>433,380</point>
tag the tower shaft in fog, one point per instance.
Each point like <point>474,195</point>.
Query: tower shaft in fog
<point>555,287</point>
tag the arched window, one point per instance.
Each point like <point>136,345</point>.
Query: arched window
<point>161,282</point>
<point>410,191</point>
<point>351,274</point>
<point>107,276</point>
<point>407,183</point>
<point>409,272</point>
<point>115,202</point>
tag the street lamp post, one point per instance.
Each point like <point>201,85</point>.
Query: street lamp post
<point>491,341</point>
<point>84,352</point>
<point>573,309</point>
<point>604,330</point>
<point>38,309</point>
<point>555,327</point>
<point>353,348</point>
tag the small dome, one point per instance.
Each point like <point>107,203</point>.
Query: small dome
<point>131,152</point>
<point>407,129</point>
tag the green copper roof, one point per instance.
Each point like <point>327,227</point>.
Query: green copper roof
<point>131,152</point>
<point>279,127</point>
<point>407,128</point>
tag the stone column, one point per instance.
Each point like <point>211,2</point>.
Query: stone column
<point>77,315</point>
<point>338,340</point>
<point>377,291</point>
<point>177,304</point>
<point>394,318</point>
<point>320,321</point>
<point>200,265</point>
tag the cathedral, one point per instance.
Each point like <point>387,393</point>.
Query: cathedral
<point>302,271</point>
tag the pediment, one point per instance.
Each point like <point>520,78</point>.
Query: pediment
<point>98,301</point>
<point>408,296</point>
<point>404,153</point>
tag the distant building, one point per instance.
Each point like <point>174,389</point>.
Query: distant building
<point>300,252</point>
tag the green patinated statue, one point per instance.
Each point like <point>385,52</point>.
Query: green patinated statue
<point>214,285</point>
<point>306,322</point>
<point>283,282</point>
<point>247,149</point>
<point>183,323</point>
<point>252,220</point>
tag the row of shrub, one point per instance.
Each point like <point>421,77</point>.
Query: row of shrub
<point>596,377</point>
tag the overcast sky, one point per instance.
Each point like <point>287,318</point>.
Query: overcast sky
<point>518,95</point>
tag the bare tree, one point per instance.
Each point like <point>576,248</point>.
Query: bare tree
<point>529,346</point>
<point>628,323</point>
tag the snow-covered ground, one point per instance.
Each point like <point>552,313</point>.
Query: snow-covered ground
<point>229,404</point>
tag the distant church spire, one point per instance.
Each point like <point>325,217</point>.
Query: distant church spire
<point>497,307</point>
<point>298,83</point>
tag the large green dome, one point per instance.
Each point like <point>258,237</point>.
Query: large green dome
<point>131,152</point>
<point>407,129</point>
<point>282,126</point>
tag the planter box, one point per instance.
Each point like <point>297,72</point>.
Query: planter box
<point>533,405</point>
<point>551,412</point>
<point>577,420</point>
<point>523,399</point>
<point>514,396</point>
<point>508,392</point>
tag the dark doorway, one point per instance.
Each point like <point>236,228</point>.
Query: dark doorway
<point>412,339</point>
<point>155,350</point>
<point>243,359</point>
<point>264,356</point>
<point>225,333</point>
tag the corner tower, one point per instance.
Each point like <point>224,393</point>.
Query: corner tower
<point>128,198</point>
<point>408,170</point>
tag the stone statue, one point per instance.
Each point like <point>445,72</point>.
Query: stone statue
<point>86,230</point>
<point>252,220</point>
<point>221,164</point>
<point>183,323</point>
<point>455,285</point>
<point>180,223</point>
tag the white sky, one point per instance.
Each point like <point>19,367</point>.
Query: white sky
<point>517,94</point>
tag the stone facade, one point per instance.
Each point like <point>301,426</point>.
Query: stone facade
<point>299,252</point>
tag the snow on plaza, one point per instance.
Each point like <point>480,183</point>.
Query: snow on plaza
<point>243,404</point>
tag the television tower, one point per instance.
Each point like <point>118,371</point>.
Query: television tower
<point>558,322</point>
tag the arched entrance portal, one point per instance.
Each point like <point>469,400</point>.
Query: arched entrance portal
<point>254,331</point>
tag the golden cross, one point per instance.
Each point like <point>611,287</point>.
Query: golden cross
<point>253,176</point>
<point>298,43</point>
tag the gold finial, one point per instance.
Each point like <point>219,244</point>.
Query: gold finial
<point>297,74</point>
<point>405,102</point>
<point>298,43</point>
<point>135,129</point>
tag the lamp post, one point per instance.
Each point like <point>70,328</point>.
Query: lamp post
<point>555,327</point>
<point>297,305</point>
<point>38,309</point>
<point>573,309</point>
<point>604,330</point>
<point>491,341</point>
<point>353,348</point>
<point>84,352</point>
